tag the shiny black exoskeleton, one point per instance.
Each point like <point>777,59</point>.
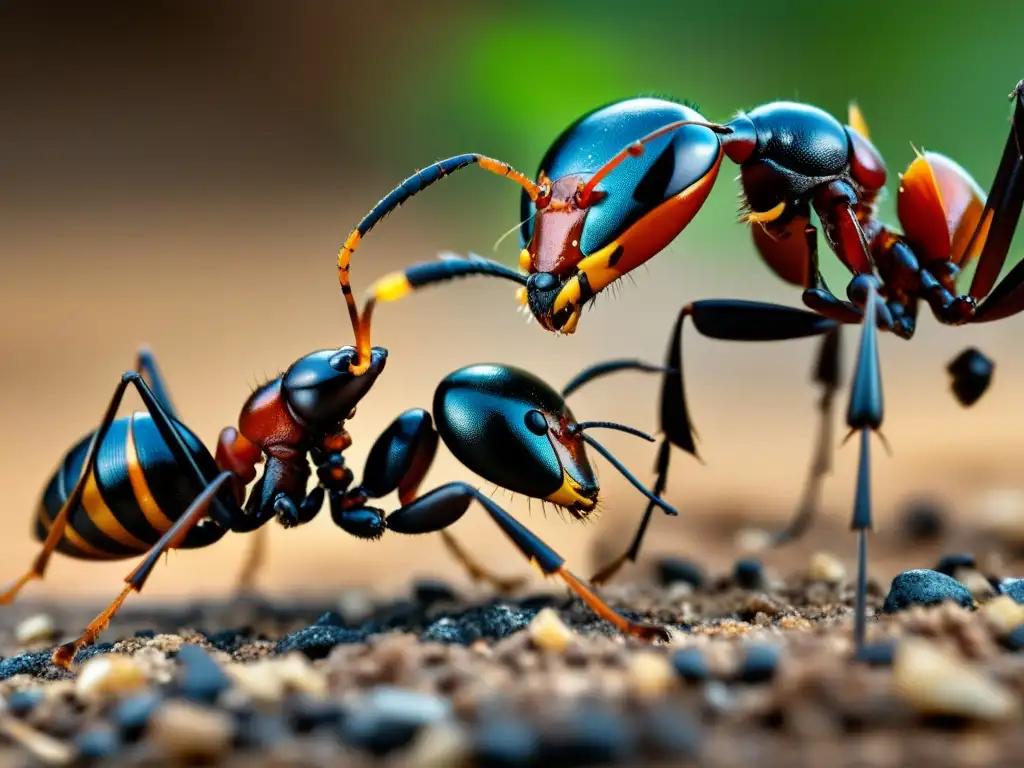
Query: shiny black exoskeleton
<point>145,484</point>
<point>625,179</point>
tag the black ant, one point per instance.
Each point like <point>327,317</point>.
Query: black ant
<point>144,483</point>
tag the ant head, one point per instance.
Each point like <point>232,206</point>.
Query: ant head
<point>512,429</point>
<point>321,391</point>
<point>620,184</point>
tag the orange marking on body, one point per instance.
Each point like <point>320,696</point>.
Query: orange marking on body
<point>150,509</point>
<point>72,536</point>
<point>104,519</point>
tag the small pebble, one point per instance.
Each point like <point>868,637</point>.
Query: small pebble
<point>35,630</point>
<point>430,592</point>
<point>132,714</point>
<point>493,622</point>
<point>1003,612</point>
<point>307,713</point>
<point>35,663</point>
<point>937,683</point>
<point>549,633</point>
<point>826,568</point>
<point>676,570</point>
<point>667,733</point>
<point>1014,588</point>
<point>977,583</point>
<point>753,540</point>
<point>881,654</point>
<point>505,743</point>
<point>949,564</point>
<point>691,665</point>
<point>354,607</point>
<point>759,663</point>
<point>1014,641</point>
<point>923,521</point>
<point>924,587</point>
<point>262,731</point>
<point>109,674</point>
<point>203,680</point>
<point>21,703</point>
<point>650,674</point>
<point>589,736</point>
<point>190,732</point>
<point>748,573</point>
<point>318,641</point>
<point>96,744</point>
<point>389,718</point>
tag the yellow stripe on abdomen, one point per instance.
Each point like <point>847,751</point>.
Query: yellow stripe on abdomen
<point>150,509</point>
<point>72,536</point>
<point>101,516</point>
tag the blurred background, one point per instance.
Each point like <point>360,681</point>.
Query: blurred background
<point>183,173</point>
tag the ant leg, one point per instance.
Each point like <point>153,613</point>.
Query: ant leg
<point>173,538</point>
<point>726,319</point>
<point>443,506</point>
<point>997,226</point>
<point>400,459</point>
<point>59,524</point>
<point>865,415</point>
<point>145,363</point>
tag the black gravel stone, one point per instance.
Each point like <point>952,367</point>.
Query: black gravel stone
<point>691,665</point>
<point>924,587</point>
<point>878,654</point>
<point>949,564</point>
<point>667,733</point>
<point>36,663</point>
<point>259,730</point>
<point>748,573</point>
<point>536,603</point>
<point>923,521</point>
<point>96,744</point>
<point>501,742</point>
<point>203,680</point>
<point>307,714</point>
<point>145,634</point>
<point>21,703</point>
<point>317,641</point>
<point>387,719</point>
<point>330,619</point>
<point>1015,640</point>
<point>590,736</point>
<point>1012,587</point>
<point>491,622</point>
<point>429,592</point>
<point>673,570</point>
<point>230,640</point>
<point>759,664</point>
<point>93,650</point>
<point>131,715</point>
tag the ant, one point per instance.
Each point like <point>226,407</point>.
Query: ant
<point>144,484</point>
<point>619,184</point>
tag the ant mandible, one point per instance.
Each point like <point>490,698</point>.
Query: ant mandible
<point>623,181</point>
<point>144,484</point>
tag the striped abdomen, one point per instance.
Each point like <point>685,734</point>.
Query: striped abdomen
<point>134,494</point>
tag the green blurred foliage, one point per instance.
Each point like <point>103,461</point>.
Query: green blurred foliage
<point>505,79</point>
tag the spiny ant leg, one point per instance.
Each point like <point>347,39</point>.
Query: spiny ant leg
<point>443,506</point>
<point>38,568</point>
<point>827,374</point>
<point>174,536</point>
<point>865,414</point>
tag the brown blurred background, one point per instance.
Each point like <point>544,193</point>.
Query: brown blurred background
<point>182,174</point>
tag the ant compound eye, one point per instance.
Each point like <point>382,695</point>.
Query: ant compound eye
<point>536,423</point>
